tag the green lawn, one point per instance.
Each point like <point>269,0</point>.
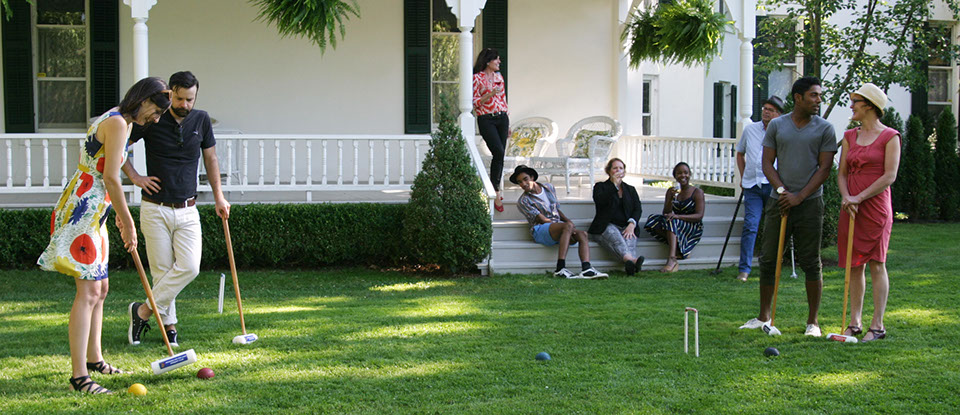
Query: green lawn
<point>363,341</point>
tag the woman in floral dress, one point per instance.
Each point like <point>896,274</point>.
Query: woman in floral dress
<point>78,233</point>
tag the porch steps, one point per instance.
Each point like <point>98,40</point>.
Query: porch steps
<point>515,252</point>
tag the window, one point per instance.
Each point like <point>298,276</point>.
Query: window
<point>444,60</point>
<point>939,74</point>
<point>647,121</point>
<point>61,62</point>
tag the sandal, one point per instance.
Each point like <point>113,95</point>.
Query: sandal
<point>105,368</point>
<point>499,208</point>
<point>854,331</point>
<point>877,335</point>
<point>85,384</point>
<point>667,269</point>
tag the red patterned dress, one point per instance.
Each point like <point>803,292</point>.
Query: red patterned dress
<point>78,232</point>
<point>874,219</point>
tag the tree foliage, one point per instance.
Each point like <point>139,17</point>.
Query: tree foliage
<point>947,167</point>
<point>447,219</point>
<point>916,173</point>
<point>880,42</point>
<point>317,20</point>
<point>686,32</point>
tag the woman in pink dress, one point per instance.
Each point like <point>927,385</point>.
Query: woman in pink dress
<point>868,166</point>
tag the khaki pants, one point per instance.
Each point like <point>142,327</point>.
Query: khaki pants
<point>174,245</point>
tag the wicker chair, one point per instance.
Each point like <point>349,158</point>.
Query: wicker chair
<point>529,137</point>
<point>585,148</point>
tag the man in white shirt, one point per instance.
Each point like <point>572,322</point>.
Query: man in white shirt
<point>756,187</point>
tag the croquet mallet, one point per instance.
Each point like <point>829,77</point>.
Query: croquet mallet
<point>768,327</point>
<point>846,289</point>
<point>245,338</point>
<point>175,361</point>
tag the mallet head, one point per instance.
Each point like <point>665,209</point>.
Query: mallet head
<point>773,331</point>
<point>174,362</point>
<point>841,338</point>
<point>245,338</point>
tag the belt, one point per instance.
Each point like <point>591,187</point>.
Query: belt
<point>186,203</point>
<point>493,114</point>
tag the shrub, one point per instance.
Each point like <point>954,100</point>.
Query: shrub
<point>916,173</point>
<point>892,119</point>
<point>947,167</point>
<point>264,236</point>
<point>448,220</point>
<point>831,209</point>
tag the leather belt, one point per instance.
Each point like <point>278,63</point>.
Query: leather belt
<point>493,114</point>
<point>186,203</point>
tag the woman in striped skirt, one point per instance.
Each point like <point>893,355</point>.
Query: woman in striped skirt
<point>681,224</point>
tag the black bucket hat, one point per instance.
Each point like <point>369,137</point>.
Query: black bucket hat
<point>523,169</point>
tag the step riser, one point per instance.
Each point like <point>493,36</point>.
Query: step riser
<point>652,250</point>
<point>514,232</point>
<point>581,209</point>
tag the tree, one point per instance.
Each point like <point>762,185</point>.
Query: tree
<point>317,20</point>
<point>916,173</point>
<point>947,167</point>
<point>881,42</point>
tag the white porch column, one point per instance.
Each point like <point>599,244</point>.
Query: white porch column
<point>745,14</point>
<point>466,12</point>
<point>140,12</point>
<point>629,83</point>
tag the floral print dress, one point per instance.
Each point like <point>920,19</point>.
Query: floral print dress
<point>78,233</point>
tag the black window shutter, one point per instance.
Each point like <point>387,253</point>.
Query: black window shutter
<point>416,66</point>
<point>104,56</point>
<point>495,31</point>
<point>718,110</point>
<point>733,111</point>
<point>18,70</point>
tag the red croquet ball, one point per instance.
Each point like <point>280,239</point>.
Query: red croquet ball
<point>205,373</point>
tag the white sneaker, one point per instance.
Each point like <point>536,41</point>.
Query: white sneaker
<point>563,273</point>
<point>591,274</point>
<point>754,323</point>
<point>813,330</point>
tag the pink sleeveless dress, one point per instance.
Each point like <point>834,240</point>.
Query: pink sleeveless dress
<point>874,219</point>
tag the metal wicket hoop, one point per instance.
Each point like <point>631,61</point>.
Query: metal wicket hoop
<point>696,331</point>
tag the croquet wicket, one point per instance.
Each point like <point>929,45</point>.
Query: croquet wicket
<point>696,331</point>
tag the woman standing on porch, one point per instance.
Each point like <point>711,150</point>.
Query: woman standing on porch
<point>681,224</point>
<point>490,106</point>
<point>78,232</point>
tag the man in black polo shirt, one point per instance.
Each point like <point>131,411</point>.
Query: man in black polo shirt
<point>169,220</point>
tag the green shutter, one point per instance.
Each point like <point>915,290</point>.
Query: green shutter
<point>718,110</point>
<point>733,111</point>
<point>495,31</point>
<point>18,70</point>
<point>416,66</point>
<point>104,56</point>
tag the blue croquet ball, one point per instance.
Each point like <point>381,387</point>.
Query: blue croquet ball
<point>771,352</point>
<point>543,356</point>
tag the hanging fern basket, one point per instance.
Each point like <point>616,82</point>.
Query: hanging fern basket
<point>687,32</point>
<point>317,20</point>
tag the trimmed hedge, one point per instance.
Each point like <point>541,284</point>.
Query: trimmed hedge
<point>264,236</point>
<point>947,167</point>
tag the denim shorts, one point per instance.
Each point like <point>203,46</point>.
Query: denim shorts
<point>541,234</point>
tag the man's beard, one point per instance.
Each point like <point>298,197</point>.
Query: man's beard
<point>181,112</point>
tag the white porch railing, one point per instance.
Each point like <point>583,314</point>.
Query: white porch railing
<point>712,161</point>
<point>43,163</point>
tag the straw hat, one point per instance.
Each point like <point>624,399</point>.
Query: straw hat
<point>873,94</point>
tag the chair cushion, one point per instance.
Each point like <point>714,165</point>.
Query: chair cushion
<point>581,147</point>
<point>523,140</point>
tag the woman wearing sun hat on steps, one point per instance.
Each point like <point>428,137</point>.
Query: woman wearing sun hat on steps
<point>868,166</point>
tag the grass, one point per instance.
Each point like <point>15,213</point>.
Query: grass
<point>364,341</point>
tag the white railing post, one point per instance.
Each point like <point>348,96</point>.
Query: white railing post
<point>63,163</point>
<point>293,162</point>
<point>260,180</point>
<point>370,163</point>
<point>276,162</point>
<point>401,161</point>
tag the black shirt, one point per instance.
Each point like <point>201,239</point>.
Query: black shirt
<point>173,153</point>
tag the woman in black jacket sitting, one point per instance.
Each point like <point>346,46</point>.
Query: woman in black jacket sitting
<point>618,210</point>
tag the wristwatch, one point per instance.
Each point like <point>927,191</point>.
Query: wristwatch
<point>780,190</point>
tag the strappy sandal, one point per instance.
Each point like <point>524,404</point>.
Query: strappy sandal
<point>877,335</point>
<point>854,331</point>
<point>86,385</point>
<point>105,368</point>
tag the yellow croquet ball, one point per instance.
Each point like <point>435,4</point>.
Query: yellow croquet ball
<point>137,389</point>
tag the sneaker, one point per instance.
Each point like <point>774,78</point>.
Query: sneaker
<point>591,274</point>
<point>812,330</point>
<point>743,276</point>
<point>563,273</point>
<point>753,323</point>
<point>138,326</point>
<point>172,337</point>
